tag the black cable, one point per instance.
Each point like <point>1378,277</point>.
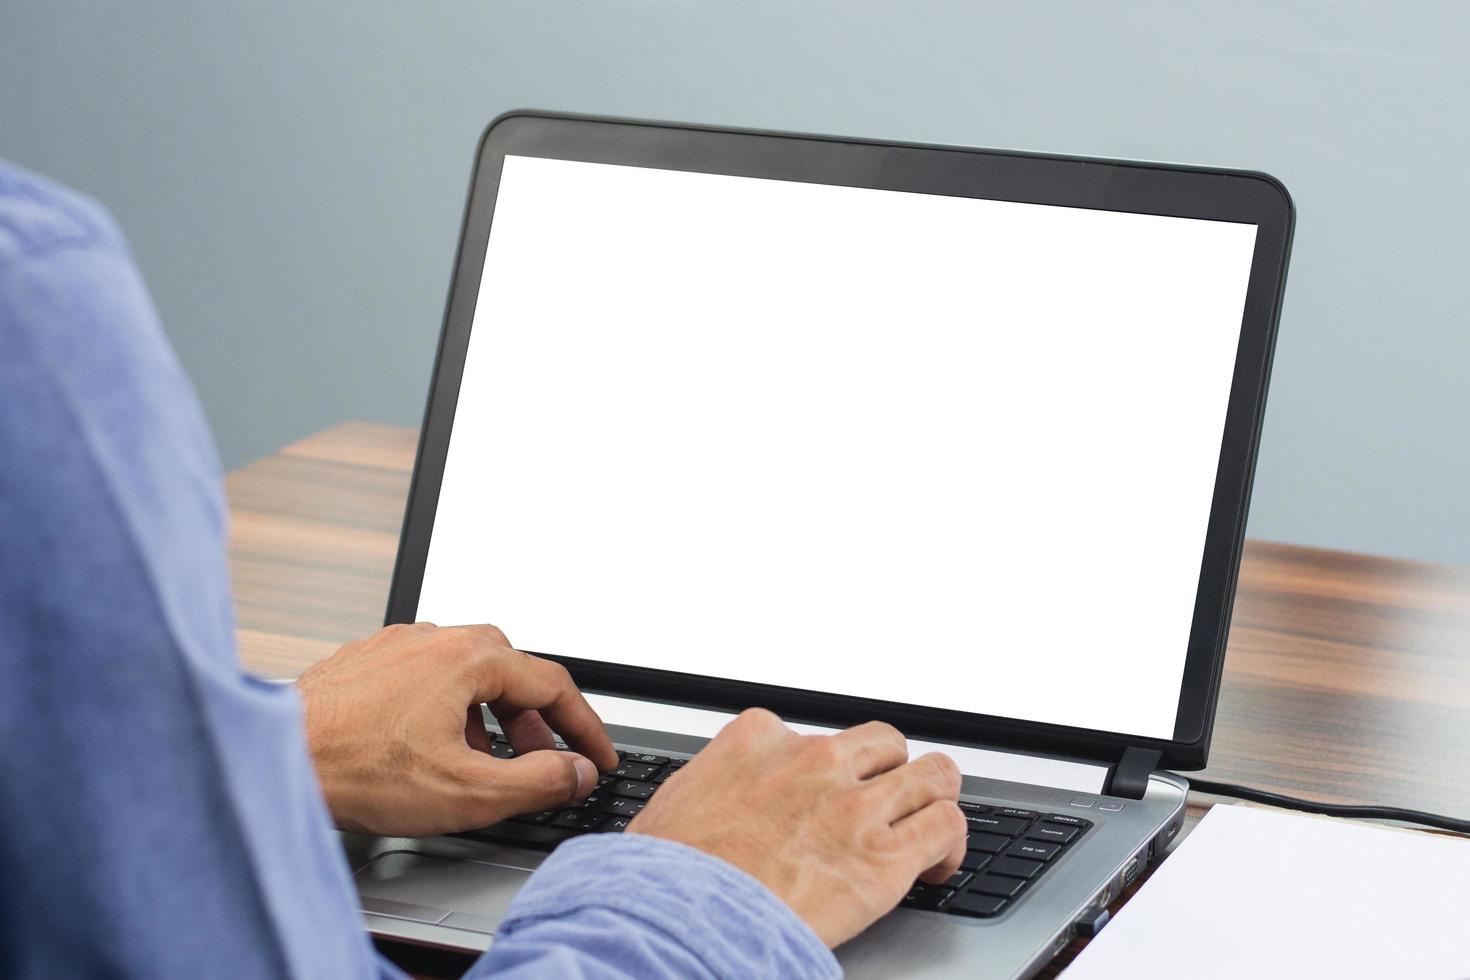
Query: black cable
<point>1452,824</point>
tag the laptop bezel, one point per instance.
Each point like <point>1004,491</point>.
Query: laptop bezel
<point>1193,192</point>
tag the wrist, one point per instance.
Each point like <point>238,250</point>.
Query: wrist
<point>328,761</point>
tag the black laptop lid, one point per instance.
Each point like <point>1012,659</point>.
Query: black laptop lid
<point>958,439</point>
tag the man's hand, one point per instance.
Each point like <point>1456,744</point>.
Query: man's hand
<point>837,826</point>
<point>395,732</point>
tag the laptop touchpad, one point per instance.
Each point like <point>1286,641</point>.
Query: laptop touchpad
<point>471,895</point>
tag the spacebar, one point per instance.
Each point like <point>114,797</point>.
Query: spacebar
<point>525,834</point>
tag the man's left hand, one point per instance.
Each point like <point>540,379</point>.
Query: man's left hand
<point>394,727</point>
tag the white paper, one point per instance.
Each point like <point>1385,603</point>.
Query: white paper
<point>1260,893</point>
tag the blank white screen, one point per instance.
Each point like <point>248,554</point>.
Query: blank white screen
<point>932,450</point>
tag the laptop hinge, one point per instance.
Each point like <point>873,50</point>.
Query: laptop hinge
<point>1128,777</point>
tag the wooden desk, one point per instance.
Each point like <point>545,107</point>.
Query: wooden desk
<point>1347,678</point>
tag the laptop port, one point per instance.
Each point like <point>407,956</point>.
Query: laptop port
<point>1130,871</point>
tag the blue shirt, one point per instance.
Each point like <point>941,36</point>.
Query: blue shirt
<point>159,816</point>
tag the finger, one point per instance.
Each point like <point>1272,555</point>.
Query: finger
<point>423,626</point>
<point>899,792</point>
<point>546,691</point>
<point>753,730</point>
<point>934,840</point>
<point>527,783</point>
<point>873,748</point>
<point>511,681</point>
<point>752,734</point>
<point>757,724</point>
<point>475,735</point>
<point>527,731</point>
<point>492,633</point>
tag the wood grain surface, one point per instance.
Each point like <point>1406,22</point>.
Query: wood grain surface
<point>1347,676</point>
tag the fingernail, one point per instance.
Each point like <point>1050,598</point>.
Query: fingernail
<point>586,775</point>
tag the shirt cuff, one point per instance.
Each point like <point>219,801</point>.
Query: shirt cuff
<point>722,916</point>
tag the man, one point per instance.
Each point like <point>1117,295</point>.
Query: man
<point>162,813</point>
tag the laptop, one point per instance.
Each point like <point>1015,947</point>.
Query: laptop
<point>961,440</point>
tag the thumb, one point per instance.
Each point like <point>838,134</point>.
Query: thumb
<point>541,780</point>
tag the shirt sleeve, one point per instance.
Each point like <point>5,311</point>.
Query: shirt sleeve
<point>161,816</point>
<point>632,906</point>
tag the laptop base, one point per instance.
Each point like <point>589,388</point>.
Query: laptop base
<point>451,892</point>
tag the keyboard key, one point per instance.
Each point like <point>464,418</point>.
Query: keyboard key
<point>635,770</point>
<point>614,825</point>
<point>973,903</point>
<point>542,817</point>
<point>1036,850</point>
<point>923,896</point>
<point>975,808</point>
<point>502,750</point>
<point>1010,811</point>
<point>634,790</point>
<point>1010,826</point>
<point>594,799</point>
<point>959,879</point>
<point>663,775</point>
<point>1067,820</point>
<point>990,843</point>
<point>1014,867</point>
<point>621,806</point>
<point>576,820</point>
<point>648,760</point>
<point>1055,833</point>
<point>997,885</point>
<point>974,860</point>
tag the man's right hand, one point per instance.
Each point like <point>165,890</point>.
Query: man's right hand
<point>837,826</point>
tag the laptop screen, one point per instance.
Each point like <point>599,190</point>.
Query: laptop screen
<point>933,450</point>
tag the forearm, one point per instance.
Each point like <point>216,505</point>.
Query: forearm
<point>630,905</point>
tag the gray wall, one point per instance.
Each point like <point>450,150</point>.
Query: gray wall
<point>291,175</point>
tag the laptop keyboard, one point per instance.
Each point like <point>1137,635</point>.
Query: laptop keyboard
<point>1010,849</point>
